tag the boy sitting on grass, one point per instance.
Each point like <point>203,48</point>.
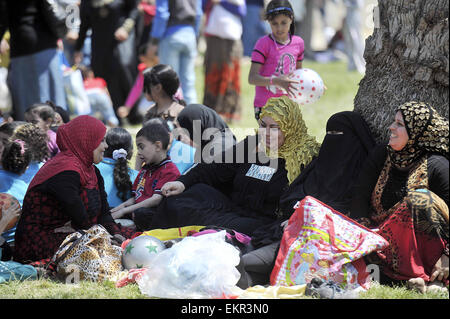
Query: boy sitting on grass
<point>152,145</point>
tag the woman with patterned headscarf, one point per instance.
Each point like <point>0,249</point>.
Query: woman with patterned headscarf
<point>404,192</point>
<point>255,173</point>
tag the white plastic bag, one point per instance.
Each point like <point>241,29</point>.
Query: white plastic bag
<point>220,17</point>
<point>196,267</point>
<point>5,94</point>
<point>77,99</point>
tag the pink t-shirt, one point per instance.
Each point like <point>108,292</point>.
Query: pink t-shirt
<point>276,59</point>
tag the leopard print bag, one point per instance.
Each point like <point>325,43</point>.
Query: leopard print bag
<point>88,255</point>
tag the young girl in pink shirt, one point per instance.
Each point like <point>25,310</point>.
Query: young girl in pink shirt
<point>276,55</point>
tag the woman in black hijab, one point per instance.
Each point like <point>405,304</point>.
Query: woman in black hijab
<point>206,130</point>
<point>331,176</point>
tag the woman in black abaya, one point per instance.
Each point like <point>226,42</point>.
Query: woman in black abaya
<point>114,55</point>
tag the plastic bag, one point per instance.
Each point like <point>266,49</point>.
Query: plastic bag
<point>77,99</point>
<point>196,267</point>
<point>5,94</point>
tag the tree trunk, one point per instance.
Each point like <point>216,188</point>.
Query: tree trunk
<point>406,60</point>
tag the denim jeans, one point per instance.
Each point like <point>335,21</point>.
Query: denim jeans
<point>69,50</point>
<point>36,78</point>
<point>179,50</point>
<point>354,41</point>
<point>254,28</point>
<point>100,102</point>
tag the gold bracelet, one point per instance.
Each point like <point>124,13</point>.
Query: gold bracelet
<point>128,25</point>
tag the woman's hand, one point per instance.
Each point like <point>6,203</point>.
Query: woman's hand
<point>172,188</point>
<point>117,208</point>
<point>440,270</point>
<point>8,215</point>
<point>67,228</point>
<point>121,34</point>
<point>72,37</point>
<point>4,46</point>
<point>123,111</point>
<point>119,213</point>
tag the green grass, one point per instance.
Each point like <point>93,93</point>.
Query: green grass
<point>399,292</point>
<point>47,289</point>
<point>342,87</point>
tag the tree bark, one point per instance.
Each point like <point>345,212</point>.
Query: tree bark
<point>407,59</point>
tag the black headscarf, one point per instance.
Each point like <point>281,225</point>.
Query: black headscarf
<point>331,176</point>
<point>208,119</point>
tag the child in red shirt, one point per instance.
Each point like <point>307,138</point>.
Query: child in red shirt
<point>99,98</point>
<point>152,144</point>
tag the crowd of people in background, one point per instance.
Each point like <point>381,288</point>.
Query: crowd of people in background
<point>89,58</point>
<point>65,150</point>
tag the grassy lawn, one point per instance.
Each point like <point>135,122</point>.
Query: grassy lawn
<point>46,289</point>
<point>342,88</point>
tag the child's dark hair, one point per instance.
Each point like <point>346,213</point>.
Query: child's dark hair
<point>64,114</point>
<point>35,139</point>
<point>119,138</point>
<point>276,7</point>
<point>85,70</point>
<point>44,110</point>
<point>9,127</point>
<point>142,50</point>
<point>162,74</point>
<point>155,132</point>
<point>16,157</point>
<point>157,120</point>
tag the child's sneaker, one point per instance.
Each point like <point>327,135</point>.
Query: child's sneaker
<point>323,289</point>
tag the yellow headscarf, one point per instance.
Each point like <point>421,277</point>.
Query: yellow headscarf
<point>299,148</point>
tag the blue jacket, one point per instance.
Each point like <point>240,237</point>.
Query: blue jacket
<point>160,28</point>
<point>106,168</point>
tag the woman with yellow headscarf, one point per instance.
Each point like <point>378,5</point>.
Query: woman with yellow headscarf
<point>243,192</point>
<point>298,148</point>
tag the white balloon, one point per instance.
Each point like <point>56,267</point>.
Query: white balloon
<point>140,251</point>
<point>309,88</point>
